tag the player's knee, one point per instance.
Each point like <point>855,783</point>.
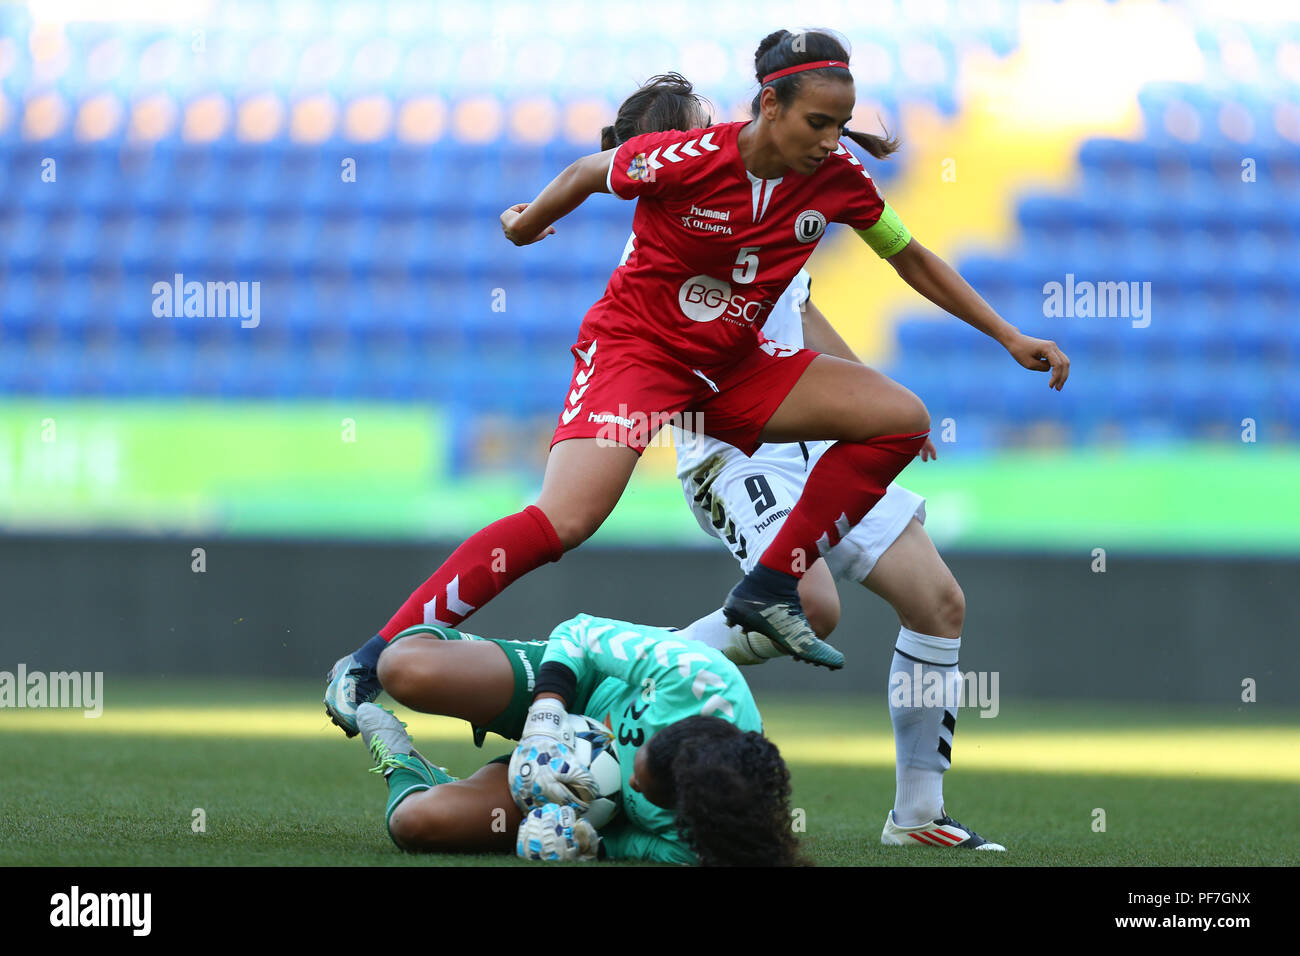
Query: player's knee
<point>398,670</point>
<point>413,829</point>
<point>949,609</point>
<point>952,605</point>
<point>425,825</point>
<point>915,416</point>
<point>898,412</point>
<point>574,525</point>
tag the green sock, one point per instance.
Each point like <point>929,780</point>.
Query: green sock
<point>410,776</point>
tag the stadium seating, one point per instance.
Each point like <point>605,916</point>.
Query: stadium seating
<point>398,285</point>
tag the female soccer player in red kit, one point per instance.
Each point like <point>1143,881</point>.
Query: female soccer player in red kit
<point>727,216</point>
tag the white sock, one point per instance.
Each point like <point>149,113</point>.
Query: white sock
<point>712,629</point>
<point>922,734</point>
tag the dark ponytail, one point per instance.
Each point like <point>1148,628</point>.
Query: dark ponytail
<point>784,49</point>
<point>663,102</point>
<point>730,790</point>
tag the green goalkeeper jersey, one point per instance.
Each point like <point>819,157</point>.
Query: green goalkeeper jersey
<point>652,680</point>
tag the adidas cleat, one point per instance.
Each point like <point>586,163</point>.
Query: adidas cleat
<point>942,832</point>
<point>350,685</point>
<point>781,621</point>
<point>388,742</point>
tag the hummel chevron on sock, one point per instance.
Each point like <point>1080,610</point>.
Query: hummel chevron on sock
<point>923,686</point>
<point>479,570</point>
<point>845,484</point>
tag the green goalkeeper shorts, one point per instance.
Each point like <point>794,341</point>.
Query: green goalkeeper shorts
<point>525,659</point>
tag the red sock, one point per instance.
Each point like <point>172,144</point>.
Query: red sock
<point>479,570</point>
<point>846,483</point>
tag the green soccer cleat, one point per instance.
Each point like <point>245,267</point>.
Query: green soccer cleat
<point>388,742</point>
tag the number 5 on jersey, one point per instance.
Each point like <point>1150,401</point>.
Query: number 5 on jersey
<point>746,270</point>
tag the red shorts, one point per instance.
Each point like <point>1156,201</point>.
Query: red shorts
<point>624,390</point>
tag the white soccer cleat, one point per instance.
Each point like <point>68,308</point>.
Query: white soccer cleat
<point>748,647</point>
<point>944,832</point>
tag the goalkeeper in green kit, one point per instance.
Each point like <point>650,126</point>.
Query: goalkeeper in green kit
<point>700,782</point>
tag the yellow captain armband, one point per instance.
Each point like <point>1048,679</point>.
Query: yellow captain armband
<point>888,235</point>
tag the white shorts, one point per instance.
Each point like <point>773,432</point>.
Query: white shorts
<point>743,502</point>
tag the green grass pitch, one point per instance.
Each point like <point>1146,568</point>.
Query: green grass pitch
<point>280,786</point>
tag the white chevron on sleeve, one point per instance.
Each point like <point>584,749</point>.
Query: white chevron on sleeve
<point>706,142</point>
<point>717,704</point>
<point>670,153</point>
<point>574,630</point>
<point>594,634</point>
<point>618,644</point>
<point>706,680</point>
<point>685,661</point>
<point>662,648</point>
<point>653,159</point>
<point>688,148</point>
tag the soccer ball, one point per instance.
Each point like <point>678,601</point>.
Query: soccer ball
<point>595,748</point>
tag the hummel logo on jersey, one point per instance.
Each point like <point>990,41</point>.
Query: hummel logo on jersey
<point>710,213</point>
<point>708,220</point>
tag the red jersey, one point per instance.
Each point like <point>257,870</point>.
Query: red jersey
<point>714,245</point>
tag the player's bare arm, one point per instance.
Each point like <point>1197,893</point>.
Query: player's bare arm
<point>941,284</point>
<point>526,223</point>
<point>820,336</point>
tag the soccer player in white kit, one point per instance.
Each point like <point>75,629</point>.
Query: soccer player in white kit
<point>743,501</point>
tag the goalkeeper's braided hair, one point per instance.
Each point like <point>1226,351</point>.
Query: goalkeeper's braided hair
<point>730,790</point>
